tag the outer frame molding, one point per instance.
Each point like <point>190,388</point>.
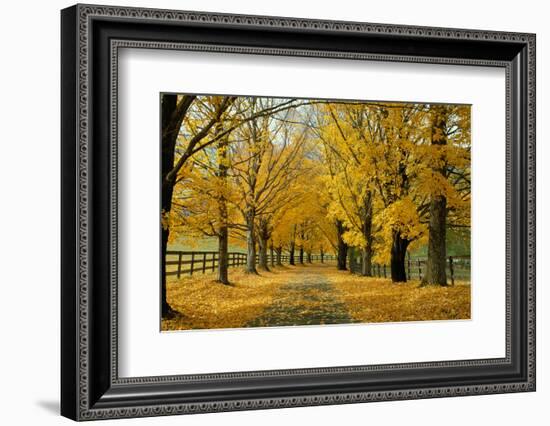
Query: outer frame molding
<point>91,37</point>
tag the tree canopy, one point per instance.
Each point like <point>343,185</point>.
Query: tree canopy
<point>313,175</point>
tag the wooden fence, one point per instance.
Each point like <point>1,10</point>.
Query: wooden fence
<point>194,262</point>
<point>458,268</point>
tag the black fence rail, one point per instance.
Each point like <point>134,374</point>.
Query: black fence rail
<point>458,268</point>
<point>180,263</point>
<point>190,262</point>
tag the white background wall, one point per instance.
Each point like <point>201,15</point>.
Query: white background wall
<point>29,212</point>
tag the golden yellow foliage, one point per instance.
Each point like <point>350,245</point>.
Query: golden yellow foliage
<point>309,177</point>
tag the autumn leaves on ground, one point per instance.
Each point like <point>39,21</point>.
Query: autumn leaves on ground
<point>312,294</point>
<point>283,211</point>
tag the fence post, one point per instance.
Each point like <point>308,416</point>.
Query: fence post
<point>192,262</point>
<point>179,264</point>
<point>452,270</point>
<point>213,261</point>
<point>419,271</point>
<point>204,263</point>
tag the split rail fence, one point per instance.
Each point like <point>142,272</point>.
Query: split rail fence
<point>458,268</point>
<point>195,262</point>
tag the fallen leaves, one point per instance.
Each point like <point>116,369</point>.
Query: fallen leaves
<point>204,303</point>
<point>316,294</point>
<point>380,300</point>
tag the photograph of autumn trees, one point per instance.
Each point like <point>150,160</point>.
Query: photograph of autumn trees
<point>285,212</point>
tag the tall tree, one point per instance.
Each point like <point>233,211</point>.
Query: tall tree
<point>445,181</point>
<point>401,130</point>
<point>266,163</point>
<point>422,177</point>
<point>201,192</point>
<point>223,232</point>
<point>348,151</point>
<point>437,250</point>
<point>173,113</point>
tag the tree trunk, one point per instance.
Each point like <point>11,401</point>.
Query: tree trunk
<point>263,239</point>
<point>437,228</point>
<point>172,117</point>
<point>223,233</point>
<point>322,256</point>
<point>279,251</point>
<point>437,250</point>
<point>342,246</point>
<point>250,243</point>
<point>366,261</point>
<point>351,260</point>
<point>301,255</point>
<point>398,253</point>
<point>262,261</point>
<point>272,254</point>
<point>291,251</point>
<point>366,252</point>
<point>292,247</point>
<point>223,257</point>
<point>167,310</point>
<point>308,254</point>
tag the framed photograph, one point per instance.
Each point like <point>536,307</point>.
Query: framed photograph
<point>263,212</point>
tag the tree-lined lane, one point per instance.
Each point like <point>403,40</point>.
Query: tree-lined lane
<point>309,299</point>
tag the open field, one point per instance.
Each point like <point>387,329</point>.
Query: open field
<point>307,295</point>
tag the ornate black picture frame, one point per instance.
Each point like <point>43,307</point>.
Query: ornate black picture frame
<point>91,387</point>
